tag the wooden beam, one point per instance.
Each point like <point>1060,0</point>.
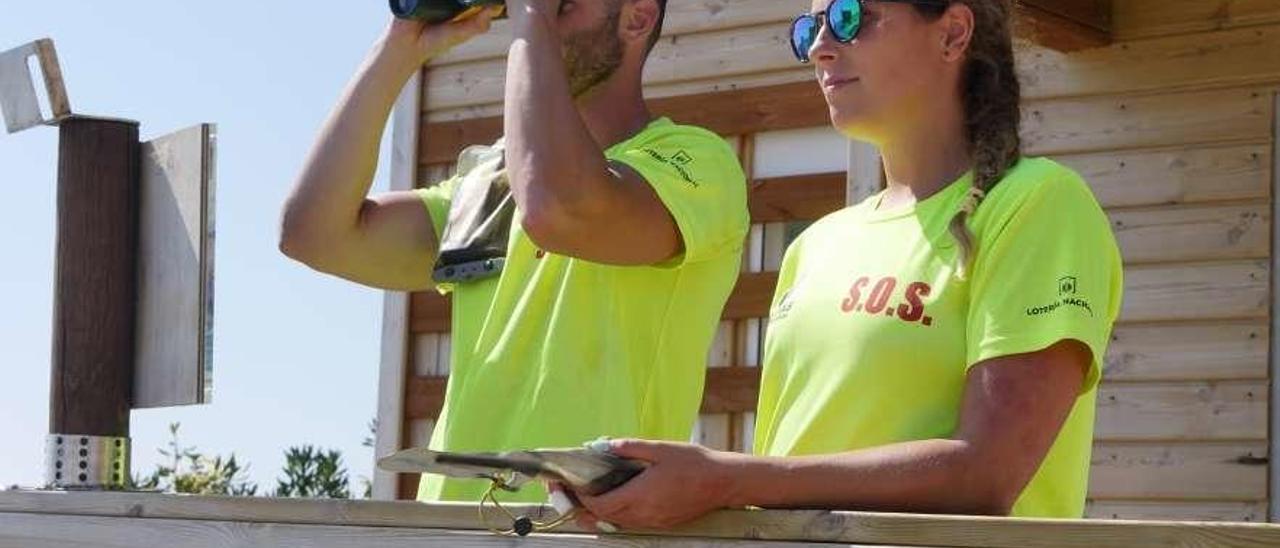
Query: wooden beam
<point>736,112</point>
<point>796,198</point>
<point>1066,25</point>
<point>430,312</point>
<point>752,297</point>
<point>759,526</point>
<point>731,390</point>
<point>728,390</point>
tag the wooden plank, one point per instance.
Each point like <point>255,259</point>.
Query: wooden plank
<point>731,390</point>
<point>425,354</point>
<point>53,531</point>
<point>751,297</point>
<point>1243,512</point>
<point>800,197</point>
<point>1134,19</point>
<point>424,397</point>
<point>1201,291</point>
<point>1193,233</point>
<point>802,526</point>
<point>721,352</point>
<point>1227,410</point>
<point>1065,25</point>
<point>734,112</point>
<point>1233,58</point>
<point>1129,122</point>
<point>1183,352</point>
<point>430,312</point>
<point>1179,471</point>
<point>712,431</point>
<point>727,390</point>
<point>1182,175</point>
<point>865,175</point>
<point>1275,321</point>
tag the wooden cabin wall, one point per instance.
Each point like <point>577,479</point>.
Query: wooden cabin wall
<point>1172,126</point>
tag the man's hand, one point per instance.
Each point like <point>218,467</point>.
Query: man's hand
<point>419,42</point>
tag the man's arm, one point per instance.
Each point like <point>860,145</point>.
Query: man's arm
<point>329,221</point>
<point>574,202</point>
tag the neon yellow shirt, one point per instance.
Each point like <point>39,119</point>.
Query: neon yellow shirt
<point>559,351</point>
<point>872,332</point>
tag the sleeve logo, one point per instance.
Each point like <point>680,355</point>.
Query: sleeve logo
<point>679,162</point>
<point>1068,286</point>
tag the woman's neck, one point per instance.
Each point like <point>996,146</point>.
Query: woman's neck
<point>920,163</point>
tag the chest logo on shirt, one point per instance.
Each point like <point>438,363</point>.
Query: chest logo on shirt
<point>872,298</point>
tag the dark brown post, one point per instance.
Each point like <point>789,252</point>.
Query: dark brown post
<point>94,302</point>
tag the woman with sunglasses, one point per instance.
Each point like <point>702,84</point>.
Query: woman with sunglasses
<point>935,348</point>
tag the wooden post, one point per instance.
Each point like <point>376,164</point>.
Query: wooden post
<point>393,371</point>
<point>96,279</point>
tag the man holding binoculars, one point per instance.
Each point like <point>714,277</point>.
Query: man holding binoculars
<point>589,253</point>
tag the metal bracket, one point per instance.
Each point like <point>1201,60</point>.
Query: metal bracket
<point>86,462</point>
<point>18,100</point>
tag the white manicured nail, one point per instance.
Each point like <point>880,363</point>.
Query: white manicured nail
<point>606,527</point>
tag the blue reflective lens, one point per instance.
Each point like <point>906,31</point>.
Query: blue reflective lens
<point>804,32</point>
<point>845,17</point>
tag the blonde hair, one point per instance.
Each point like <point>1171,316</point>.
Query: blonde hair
<point>991,95</point>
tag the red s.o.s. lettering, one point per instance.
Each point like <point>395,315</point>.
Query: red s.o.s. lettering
<point>913,309</point>
<point>855,294</point>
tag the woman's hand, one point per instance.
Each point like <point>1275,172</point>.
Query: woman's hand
<point>683,482</point>
<point>416,42</point>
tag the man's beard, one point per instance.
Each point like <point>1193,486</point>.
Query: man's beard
<point>592,56</point>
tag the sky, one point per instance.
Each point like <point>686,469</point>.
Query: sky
<point>295,352</point>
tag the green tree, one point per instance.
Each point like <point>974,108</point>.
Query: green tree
<point>190,472</point>
<point>312,473</point>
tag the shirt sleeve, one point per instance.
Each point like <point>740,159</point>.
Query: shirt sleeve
<point>699,180</point>
<point>1047,270</point>
<point>437,199</point>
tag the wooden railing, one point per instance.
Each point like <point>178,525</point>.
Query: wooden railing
<point>46,520</point>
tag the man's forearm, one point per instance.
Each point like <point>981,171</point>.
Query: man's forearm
<point>929,476</point>
<point>555,164</point>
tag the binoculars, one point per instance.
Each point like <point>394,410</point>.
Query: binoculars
<point>440,11</point>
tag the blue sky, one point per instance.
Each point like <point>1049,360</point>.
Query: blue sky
<point>295,352</point>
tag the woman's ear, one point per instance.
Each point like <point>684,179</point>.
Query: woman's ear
<point>638,20</point>
<point>957,25</point>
